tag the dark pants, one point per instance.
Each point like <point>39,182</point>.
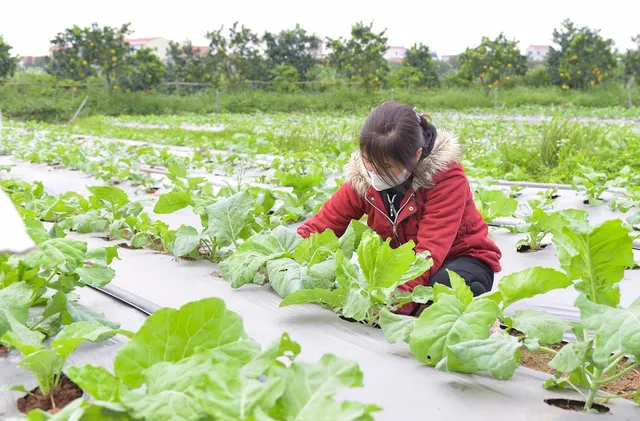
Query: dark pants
<point>475,273</point>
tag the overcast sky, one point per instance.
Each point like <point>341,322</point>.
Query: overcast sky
<point>445,26</point>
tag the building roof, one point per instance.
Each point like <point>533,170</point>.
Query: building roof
<point>139,40</point>
<point>539,47</point>
<point>199,49</point>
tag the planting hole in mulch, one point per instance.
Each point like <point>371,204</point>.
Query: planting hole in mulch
<point>59,397</point>
<point>526,248</point>
<point>572,405</point>
<point>126,246</point>
<point>350,320</point>
<point>539,361</point>
<point>3,350</point>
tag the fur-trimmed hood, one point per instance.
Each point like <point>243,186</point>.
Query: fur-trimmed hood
<point>446,150</point>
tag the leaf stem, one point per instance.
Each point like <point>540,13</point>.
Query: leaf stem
<point>621,374</point>
<point>574,387</point>
<point>614,360</point>
<point>549,350</point>
<point>593,389</point>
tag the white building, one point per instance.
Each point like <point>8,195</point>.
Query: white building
<point>537,52</point>
<point>158,45</point>
<point>395,54</point>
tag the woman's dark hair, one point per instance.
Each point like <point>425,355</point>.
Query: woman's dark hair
<point>395,132</point>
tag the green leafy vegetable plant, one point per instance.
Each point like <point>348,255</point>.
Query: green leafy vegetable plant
<point>200,358</point>
<point>47,364</point>
<point>362,293</point>
<point>493,204</point>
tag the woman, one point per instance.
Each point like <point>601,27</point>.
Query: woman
<point>408,180</point>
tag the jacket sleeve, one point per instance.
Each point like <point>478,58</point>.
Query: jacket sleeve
<point>336,214</point>
<point>439,225</point>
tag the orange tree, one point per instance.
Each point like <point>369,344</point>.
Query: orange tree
<point>237,57</point>
<point>8,63</point>
<point>419,57</point>
<point>492,62</point>
<point>79,53</point>
<point>291,48</point>
<point>584,58</point>
<point>142,71</point>
<point>360,58</point>
<point>186,64</point>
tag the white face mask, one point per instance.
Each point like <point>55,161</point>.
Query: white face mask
<point>379,184</point>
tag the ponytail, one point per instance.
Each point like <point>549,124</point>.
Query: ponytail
<point>429,133</point>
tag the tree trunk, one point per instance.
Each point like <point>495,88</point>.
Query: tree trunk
<point>108,77</point>
<point>629,93</point>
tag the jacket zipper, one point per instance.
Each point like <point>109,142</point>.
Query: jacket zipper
<point>394,223</point>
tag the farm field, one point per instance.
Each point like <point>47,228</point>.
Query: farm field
<point>167,245</point>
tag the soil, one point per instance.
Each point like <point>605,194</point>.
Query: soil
<point>526,248</point>
<point>540,361</point>
<point>3,350</point>
<point>575,405</point>
<point>59,397</point>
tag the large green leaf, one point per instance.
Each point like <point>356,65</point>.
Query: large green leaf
<point>391,264</point>
<point>351,238</point>
<point>229,217</point>
<point>44,364</point>
<point>529,283</point>
<point>597,257</point>
<point>331,298</point>
<point>420,265</point>
<point>14,306</point>
<point>110,194</point>
<point>171,335</point>
<point>95,380</point>
<point>317,248</point>
<point>243,265</point>
<point>283,347</point>
<point>74,312</point>
<point>172,202</point>
<point>230,397</point>
<point>96,276</point>
<point>187,239</point>
<point>540,325</point>
<point>382,265</point>
<point>498,354</point>
<point>52,253</point>
<point>570,357</point>
<point>199,385</point>
<point>422,294</point>
<point>396,327</point>
<point>449,321</point>
<point>309,391</point>
<point>616,329</point>
<point>103,255</point>
<point>356,303</point>
<point>322,275</point>
<point>286,276</point>
<point>87,222</point>
<point>494,204</point>
<point>74,334</point>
